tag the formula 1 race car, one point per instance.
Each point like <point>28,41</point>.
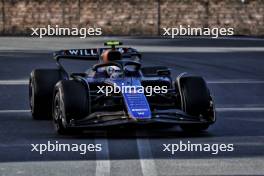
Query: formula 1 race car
<point>118,91</point>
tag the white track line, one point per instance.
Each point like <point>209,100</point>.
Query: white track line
<point>146,159</point>
<point>14,82</point>
<point>104,143</point>
<point>179,49</point>
<point>239,109</point>
<point>226,81</point>
<point>15,111</point>
<point>235,81</point>
<point>102,158</point>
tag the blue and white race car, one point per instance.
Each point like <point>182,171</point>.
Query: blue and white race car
<point>118,91</point>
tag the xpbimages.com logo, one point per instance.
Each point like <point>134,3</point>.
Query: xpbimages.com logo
<point>63,31</point>
<point>148,90</point>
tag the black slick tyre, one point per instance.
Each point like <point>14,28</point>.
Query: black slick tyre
<point>41,85</point>
<point>196,100</point>
<point>70,102</point>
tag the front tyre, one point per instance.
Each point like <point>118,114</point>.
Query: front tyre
<point>196,101</point>
<point>70,102</point>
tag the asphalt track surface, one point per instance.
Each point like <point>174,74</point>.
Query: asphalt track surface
<point>234,71</point>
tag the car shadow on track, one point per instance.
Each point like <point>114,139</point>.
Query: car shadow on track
<point>19,131</point>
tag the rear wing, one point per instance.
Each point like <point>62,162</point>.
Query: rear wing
<point>93,53</point>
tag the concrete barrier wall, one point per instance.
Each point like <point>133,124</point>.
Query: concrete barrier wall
<point>131,17</point>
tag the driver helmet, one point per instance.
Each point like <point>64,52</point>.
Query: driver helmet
<point>111,55</point>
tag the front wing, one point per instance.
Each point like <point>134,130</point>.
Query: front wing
<point>120,118</point>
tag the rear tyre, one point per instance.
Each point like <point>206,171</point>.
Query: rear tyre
<point>70,102</point>
<point>41,85</point>
<point>196,101</point>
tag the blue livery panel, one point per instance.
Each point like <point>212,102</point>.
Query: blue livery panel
<point>136,102</point>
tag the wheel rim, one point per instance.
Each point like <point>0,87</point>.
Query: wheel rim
<point>57,111</point>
